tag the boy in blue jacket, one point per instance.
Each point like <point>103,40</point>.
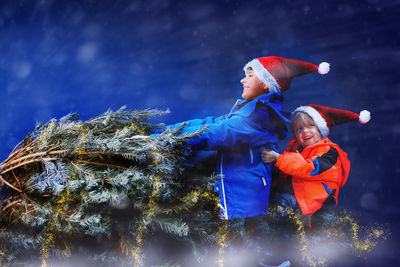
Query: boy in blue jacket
<point>256,121</point>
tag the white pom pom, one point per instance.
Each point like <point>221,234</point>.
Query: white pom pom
<point>364,117</point>
<point>323,68</point>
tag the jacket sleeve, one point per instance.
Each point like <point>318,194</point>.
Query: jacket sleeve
<point>197,122</point>
<point>293,163</point>
<point>234,132</point>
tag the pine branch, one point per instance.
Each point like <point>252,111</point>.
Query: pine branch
<point>173,226</point>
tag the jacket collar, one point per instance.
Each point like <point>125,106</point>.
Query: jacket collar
<point>323,142</point>
<point>270,99</point>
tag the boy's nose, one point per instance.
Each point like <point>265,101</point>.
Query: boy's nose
<point>242,80</point>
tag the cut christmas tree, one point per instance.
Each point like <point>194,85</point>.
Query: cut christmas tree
<point>105,191</point>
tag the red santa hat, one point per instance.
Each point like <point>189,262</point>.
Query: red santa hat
<point>325,118</point>
<point>277,72</point>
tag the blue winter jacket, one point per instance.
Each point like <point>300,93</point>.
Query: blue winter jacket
<point>238,137</point>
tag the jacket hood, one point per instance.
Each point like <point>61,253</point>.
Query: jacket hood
<point>271,100</point>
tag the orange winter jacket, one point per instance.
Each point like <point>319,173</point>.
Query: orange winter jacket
<point>315,172</point>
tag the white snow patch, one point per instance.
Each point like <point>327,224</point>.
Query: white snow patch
<point>120,201</point>
<point>396,129</point>
<point>199,12</point>
<point>136,67</point>
<point>58,59</point>
<point>91,30</point>
<point>369,201</point>
<point>306,9</point>
<point>376,185</point>
<point>77,17</point>
<point>87,52</point>
<point>154,101</point>
<point>346,10</point>
<point>22,69</point>
<point>188,92</point>
<point>11,88</point>
<point>134,7</point>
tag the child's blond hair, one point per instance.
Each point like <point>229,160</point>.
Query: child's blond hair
<point>300,118</point>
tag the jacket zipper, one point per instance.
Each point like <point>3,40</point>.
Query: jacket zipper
<point>225,210</point>
<point>263,179</point>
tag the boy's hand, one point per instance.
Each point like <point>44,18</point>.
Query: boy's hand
<point>268,155</point>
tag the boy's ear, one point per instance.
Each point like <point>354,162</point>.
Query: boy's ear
<point>266,88</point>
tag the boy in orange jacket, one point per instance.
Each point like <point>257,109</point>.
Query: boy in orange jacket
<point>313,168</point>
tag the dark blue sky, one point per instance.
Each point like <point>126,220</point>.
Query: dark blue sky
<point>87,56</point>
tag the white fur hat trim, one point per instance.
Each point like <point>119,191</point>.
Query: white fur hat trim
<point>364,117</point>
<point>264,75</point>
<point>323,68</point>
<point>317,118</point>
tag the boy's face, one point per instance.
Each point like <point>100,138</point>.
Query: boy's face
<point>252,86</point>
<point>306,134</point>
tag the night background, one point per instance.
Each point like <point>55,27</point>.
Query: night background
<point>87,56</point>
